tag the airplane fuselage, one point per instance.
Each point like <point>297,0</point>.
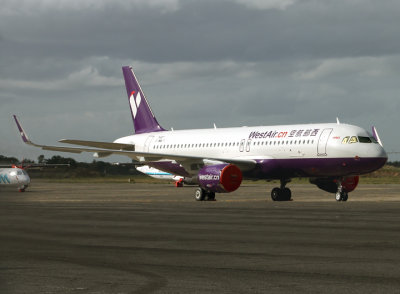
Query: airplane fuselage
<point>309,150</point>
<point>14,177</point>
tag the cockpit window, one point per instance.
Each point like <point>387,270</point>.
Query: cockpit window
<point>361,139</point>
<point>353,140</point>
<point>19,173</point>
<point>364,139</point>
<point>374,140</point>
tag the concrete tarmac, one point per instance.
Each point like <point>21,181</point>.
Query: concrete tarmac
<point>148,238</point>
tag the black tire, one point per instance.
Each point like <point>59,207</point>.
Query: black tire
<point>276,194</point>
<point>210,196</point>
<point>345,196</point>
<point>286,194</point>
<point>199,194</point>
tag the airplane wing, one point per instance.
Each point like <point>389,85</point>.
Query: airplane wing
<point>123,149</point>
<point>105,145</point>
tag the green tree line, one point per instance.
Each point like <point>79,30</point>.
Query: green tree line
<point>75,168</point>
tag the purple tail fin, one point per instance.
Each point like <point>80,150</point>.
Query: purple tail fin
<point>144,120</point>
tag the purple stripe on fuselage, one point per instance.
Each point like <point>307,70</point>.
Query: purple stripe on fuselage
<point>296,167</point>
<point>315,167</point>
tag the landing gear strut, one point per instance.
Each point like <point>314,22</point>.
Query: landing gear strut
<point>341,195</point>
<point>282,193</point>
<point>22,188</point>
<point>201,194</point>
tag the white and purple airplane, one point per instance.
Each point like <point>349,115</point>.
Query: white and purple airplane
<point>331,155</point>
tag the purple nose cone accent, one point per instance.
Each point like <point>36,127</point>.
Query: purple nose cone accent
<point>143,119</point>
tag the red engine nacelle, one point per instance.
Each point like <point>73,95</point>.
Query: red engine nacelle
<point>350,183</point>
<point>221,178</point>
<point>330,184</point>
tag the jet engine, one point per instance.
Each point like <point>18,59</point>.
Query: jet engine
<point>220,178</point>
<point>330,184</point>
<point>350,183</point>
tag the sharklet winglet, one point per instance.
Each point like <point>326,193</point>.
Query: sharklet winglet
<point>24,136</point>
<point>376,136</point>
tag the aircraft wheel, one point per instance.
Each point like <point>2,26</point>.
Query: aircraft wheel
<point>276,194</point>
<point>341,196</point>
<point>210,196</point>
<point>199,194</point>
<point>287,194</point>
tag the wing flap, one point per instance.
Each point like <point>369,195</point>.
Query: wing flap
<point>103,145</point>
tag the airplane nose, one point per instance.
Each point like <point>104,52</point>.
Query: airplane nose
<point>381,157</point>
<point>25,180</point>
<point>383,153</point>
<point>380,152</point>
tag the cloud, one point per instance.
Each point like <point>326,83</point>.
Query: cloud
<point>360,66</point>
<point>29,7</point>
<point>86,77</point>
<point>266,4</point>
<point>200,31</point>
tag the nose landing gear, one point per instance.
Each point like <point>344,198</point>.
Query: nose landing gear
<point>282,193</point>
<point>22,188</point>
<point>341,194</point>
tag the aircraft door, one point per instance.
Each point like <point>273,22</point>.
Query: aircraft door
<point>241,147</point>
<point>147,143</point>
<point>323,142</point>
<point>248,145</point>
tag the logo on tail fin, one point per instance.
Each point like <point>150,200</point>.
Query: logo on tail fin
<point>135,102</point>
<point>144,120</point>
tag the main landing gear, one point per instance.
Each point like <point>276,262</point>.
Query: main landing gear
<point>341,195</point>
<point>201,195</point>
<point>282,193</point>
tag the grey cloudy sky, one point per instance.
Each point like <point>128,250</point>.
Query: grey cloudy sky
<point>229,62</point>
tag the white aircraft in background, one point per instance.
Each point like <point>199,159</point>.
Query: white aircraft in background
<point>162,175</point>
<point>331,155</point>
<point>14,176</point>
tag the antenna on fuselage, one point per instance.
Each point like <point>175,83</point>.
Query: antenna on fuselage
<point>337,121</point>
